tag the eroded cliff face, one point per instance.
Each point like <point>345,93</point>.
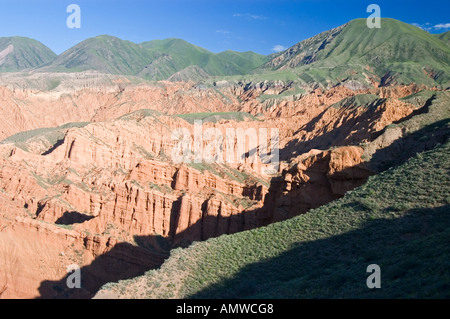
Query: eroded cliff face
<point>110,187</point>
<point>108,196</point>
<point>90,99</point>
<point>314,179</point>
<point>29,109</point>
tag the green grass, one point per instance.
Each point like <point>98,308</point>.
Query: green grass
<point>216,116</point>
<point>444,37</point>
<point>284,95</point>
<point>53,84</point>
<point>417,133</point>
<point>105,54</point>
<point>419,98</point>
<point>140,114</point>
<point>398,220</point>
<point>395,41</point>
<point>47,137</point>
<point>351,52</point>
<point>358,101</point>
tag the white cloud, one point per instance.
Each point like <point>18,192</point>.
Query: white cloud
<point>417,25</point>
<point>428,27</point>
<point>251,16</point>
<point>279,48</point>
<point>442,26</point>
<point>258,17</point>
<point>223,31</point>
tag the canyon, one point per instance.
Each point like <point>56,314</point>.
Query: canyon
<point>104,194</point>
<point>87,171</point>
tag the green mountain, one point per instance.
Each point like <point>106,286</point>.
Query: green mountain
<point>352,55</point>
<point>105,54</point>
<point>18,53</point>
<point>240,62</point>
<point>193,54</point>
<point>181,55</point>
<point>154,60</point>
<point>396,53</point>
<point>444,37</point>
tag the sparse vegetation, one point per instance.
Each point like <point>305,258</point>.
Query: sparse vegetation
<point>49,135</point>
<point>216,117</point>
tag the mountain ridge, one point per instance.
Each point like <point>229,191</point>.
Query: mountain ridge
<point>397,53</point>
<point>153,60</point>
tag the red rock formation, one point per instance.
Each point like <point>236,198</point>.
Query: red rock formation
<point>120,200</point>
<point>315,179</point>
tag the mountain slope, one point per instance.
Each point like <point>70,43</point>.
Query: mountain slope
<point>397,52</point>
<point>352,55</point>
<point>183,54</point>
<point>19,53</point>
<point>395,42</point>
<point>304,52</point>
<point>104,53</point>
<point>444,37</point>
<point>240,62</point>
<point>154,60</point>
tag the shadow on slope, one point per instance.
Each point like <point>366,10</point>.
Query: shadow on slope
<point>323,188</point>
<point>123,261</point>
<point>340,134</point>
<point>402,149</point>
<point>343,133</point>
<point>378,242</point>
<point>70,218</point>
<point>412,251</point>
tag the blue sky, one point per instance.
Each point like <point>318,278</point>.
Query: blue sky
<point>217,25</point>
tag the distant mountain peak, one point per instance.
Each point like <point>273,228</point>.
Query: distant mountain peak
<point>20,53</point>
<point>171,58</point>
<point>400,50</point>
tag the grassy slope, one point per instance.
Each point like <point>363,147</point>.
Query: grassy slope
<point>429,125</point>
<point>232,62</point>
<point>28,53</point>
<point>398,220</point>
<point>444,37</point>
<point>46,137</point>
<point>216,116</point>
<point>395,41</point>
<point>185,54</point>
<point>398,48</point>
<point>105,54</point>
<point>358,101</point>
